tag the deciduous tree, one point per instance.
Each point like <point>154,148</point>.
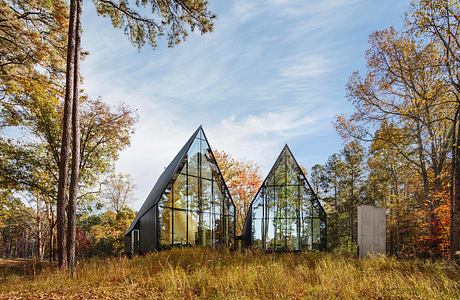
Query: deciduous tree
<point>243,181</point>
<point>439,21</point>
<point>171,17</point>
<point>118,191</point>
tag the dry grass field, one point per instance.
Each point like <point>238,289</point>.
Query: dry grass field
<point>217,274</point>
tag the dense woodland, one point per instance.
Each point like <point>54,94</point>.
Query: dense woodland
<point>60,196</point>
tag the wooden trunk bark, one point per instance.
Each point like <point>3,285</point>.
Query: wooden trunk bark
<point>51,233</point>
<point>65,143</point>
<point>72,206</point>
<point>455,191</point>
<point>39,247</point>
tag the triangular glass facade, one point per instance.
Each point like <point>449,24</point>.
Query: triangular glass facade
<point>285,214</point>
<point>196,208</point>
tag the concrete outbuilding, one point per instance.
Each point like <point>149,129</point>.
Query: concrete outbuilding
<point>371,230</point>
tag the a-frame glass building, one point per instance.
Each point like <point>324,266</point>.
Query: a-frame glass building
<point>285,214</point>
<point>190,205</point>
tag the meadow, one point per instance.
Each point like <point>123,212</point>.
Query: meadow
<point>220,274</point>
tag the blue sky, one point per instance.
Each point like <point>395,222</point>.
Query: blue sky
<point>273,71</point>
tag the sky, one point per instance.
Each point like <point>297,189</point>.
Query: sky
<point>272,72</point>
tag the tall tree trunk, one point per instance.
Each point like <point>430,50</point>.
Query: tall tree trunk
<point>352,206</point>
<point>39,232</point>
<point>65,143</point>
<point>426,187</point>
<point>72,206</point>
<point>455,190</point>
<point>51,244</point>
<point>49,208</point>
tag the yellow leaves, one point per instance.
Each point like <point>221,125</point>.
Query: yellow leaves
<point>31,36</point>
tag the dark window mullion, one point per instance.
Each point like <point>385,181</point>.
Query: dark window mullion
<point>285,203</point>
<point>187,197</point>
<point>264,201</point>
<point>311,225</point>
<point>172,215</point>
<point>212,213</point>
<point>200,198</point>
<point>299,221</point>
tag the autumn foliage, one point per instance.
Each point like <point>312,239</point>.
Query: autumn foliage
<point>243,181</point>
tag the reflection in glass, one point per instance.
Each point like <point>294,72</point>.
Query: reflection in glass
<point>166,227</point>
<point>257,232</point>
<point>180,227</point>
<point>196,208</point>
<point>286,214</point>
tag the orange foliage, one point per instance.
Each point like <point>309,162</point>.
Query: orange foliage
<point>243,181</point>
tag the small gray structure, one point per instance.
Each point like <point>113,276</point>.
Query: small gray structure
<point>371,230</point>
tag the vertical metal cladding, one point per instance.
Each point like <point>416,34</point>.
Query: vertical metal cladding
<point>371,230</point>
<point>147,231</point>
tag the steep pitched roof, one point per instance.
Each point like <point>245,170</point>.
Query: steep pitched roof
<point>286,150</point>
<point>163,181</point>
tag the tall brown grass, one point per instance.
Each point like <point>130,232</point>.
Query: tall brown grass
<point>220,274</point>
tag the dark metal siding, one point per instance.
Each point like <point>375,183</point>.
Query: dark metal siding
<point>147,231</point>
<point>128,244</point>
<point>246,236</point>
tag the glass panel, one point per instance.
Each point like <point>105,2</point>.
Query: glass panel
<point>280,173</point>
<point>257,232</point>
<point>166,199</point>
<point>193,156</point>
<point>306,234</point>
<point>292,202</point>
<point>180,228</point>
<point>291,234</point>
<point>270,201</point>
<point>207,163</point>
<point>306,206</point>
<point>316,234</point>
<point>193,193</point>
<point>270,234</point>
<point>200,240</point>
<point>217,210</point>
<point>280,211</point>
<point>180,192</point>
<point>193,220</point>
<point>292,172</point>
<point>166,226</point>
<point>218,228</point>
<point>315,208</point>
<point>258,207</point>
<point>280,234</point>
<point>323,232</point>
<point>184,168</point>
<point>207,195</point>
<point>217,202</point>
<point>207,230</point>
<point>231,209</point>
<point>230,228</point>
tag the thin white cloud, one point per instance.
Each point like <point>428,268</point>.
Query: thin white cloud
<point>307,67</point>
<point>267,75</point>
